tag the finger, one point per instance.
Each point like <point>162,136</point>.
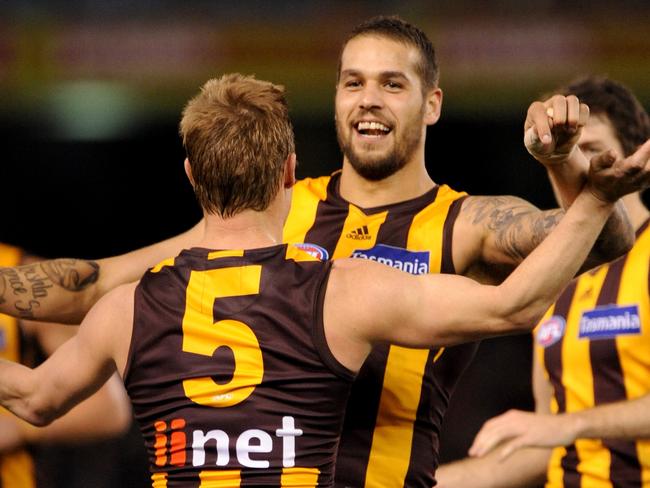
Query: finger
<point>539,120</point>
<point>559,104</point>
<point>573,113</point>
<point>508,449</point>
<point>584,115</point>
<point>603,160</point>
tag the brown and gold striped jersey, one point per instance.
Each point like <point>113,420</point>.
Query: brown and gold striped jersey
<point>229,373</point>
<point>594,345</point>
<point>16,468</point>
<point>393,417</point>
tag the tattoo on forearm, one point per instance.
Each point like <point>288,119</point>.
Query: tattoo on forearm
<point>25,287</point>
<point>72,274</point>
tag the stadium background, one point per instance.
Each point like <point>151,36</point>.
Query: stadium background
<point>91,92</point>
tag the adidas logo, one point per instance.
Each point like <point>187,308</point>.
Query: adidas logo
<point>359,234</point>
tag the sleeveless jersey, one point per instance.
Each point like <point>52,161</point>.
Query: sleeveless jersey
<point>230,377</point>
<point>392,425</point>
<point>594,344</point>
<point>16,468</point>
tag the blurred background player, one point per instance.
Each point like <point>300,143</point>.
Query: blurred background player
<point>23,448</point>
<point>292,323</point>
<point>591,372</point>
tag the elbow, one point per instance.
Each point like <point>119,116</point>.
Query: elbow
<point>523,320</point>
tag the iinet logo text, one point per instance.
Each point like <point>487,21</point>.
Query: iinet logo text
<point>171,446</point>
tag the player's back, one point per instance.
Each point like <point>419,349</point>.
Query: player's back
<point>229,373</point>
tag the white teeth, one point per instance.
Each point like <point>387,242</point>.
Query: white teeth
<point>372,126</point>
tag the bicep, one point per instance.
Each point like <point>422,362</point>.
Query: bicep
<point>505,230</point>
<point>433,310</point>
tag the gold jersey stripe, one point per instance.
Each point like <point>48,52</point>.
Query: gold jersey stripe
<point>220,479</point>
<point>302,213</point>
<point>159,480</point>
<point>299,477</point>
<point>228,253</point>
<point>365,229</point>
<point>17,470</point>
<point>405,368</point>
<point>401,397</point>
<point>162,264</point>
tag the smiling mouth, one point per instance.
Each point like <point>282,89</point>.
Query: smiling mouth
<point>372,129</point>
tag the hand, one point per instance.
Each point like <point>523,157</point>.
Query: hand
<point>516,429</point>
<point>610,176</point>
<point>552,128</point>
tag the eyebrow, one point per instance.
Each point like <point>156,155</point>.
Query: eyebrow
<point>383,74</point>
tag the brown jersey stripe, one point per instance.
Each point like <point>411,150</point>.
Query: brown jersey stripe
<point>609,386</point>
<point>447,265</point>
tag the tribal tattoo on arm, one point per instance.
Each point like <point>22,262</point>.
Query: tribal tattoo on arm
<point>26,290</point>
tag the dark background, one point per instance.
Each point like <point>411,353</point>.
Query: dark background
<point>91,93</point>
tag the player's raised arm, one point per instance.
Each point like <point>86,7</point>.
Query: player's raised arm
<point>444,309</point>
<point>509,228</point>
<point>63,290</point>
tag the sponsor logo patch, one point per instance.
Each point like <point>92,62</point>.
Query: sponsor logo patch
<point>317,251</point>
<point>550,331</point>
<point>414,262</point>
<point>609,322</point>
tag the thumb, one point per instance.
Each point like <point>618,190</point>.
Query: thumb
<point>603,160</point>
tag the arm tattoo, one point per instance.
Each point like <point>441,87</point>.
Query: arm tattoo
<point>23,288</point>
<point>71,274</point>
<point>517,227</point>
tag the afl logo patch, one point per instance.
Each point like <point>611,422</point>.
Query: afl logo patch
<point>550,331</point>
<point>315,250</point>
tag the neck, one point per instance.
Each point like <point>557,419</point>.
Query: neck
<point>409,182</point>
<point>246,230</point>
<point>636,210</point>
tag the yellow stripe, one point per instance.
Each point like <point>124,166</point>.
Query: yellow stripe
<point>352,239</point>
<point>229,253</point>
<point>307,194</point>
<point>398,406</point>
<point>17,470</point>
<point>10,255</point>
<point>405,368</point>
<point>299,477</point>
<point>159,480</point>
<point>634,350</point>
<point>220,479</point>
<point>160,265</point>
<point>297,254</point>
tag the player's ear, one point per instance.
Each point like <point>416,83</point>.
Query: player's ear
<point>290,171</point>
<point>188,171</point>
<point>433,102</point>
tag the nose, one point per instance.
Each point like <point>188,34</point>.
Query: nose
<point>370,97</point>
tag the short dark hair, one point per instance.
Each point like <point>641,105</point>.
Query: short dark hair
<point>399,30</point>
<point>237,135</point>
<point>605,96</point>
